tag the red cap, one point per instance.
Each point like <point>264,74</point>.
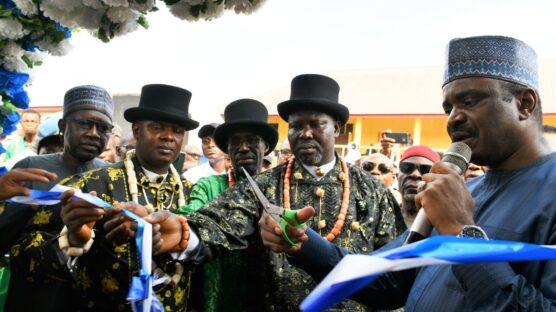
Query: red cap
<point>422,151</point>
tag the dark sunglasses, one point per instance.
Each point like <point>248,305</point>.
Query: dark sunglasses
<point>408,168</point>
<point>88,124</point>
<point>369,166</point>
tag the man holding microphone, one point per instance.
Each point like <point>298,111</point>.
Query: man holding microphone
<point>491,98</point>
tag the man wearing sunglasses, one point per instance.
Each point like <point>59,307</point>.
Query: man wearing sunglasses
<point>352,208</point>
<point>491,99</point>
<point>415,162</point>
<point>382,168</point>
<point>86,126</point>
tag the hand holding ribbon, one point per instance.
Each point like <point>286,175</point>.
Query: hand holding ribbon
<point>80,212</point>
<point>79,216</point>
<point>11,183</point>
<point>169,227</point>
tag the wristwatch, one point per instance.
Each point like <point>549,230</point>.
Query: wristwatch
<point>472,231</point>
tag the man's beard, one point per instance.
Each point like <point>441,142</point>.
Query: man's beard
<point>409,204</point>
<point>310,160</point>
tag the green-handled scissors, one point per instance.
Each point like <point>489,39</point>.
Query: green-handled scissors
<point>284,216</point>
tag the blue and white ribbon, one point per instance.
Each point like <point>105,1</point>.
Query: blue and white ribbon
<point>141,294</point>
<point>353,272</point>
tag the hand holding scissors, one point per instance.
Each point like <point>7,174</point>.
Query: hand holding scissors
<point>286,218</point>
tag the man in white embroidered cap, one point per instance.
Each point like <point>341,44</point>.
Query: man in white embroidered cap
<point>493,105</point>
<point>86,126</point>
<point>144,182</point>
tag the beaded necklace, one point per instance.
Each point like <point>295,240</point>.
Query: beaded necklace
<point>344,177</point>
<point>231,178</point>
<point>134,191</point>
<point>132,182</point>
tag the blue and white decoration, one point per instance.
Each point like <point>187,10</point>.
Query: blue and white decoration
<point>140,295</point>
<point>356,271</point>
<point>31,28</point>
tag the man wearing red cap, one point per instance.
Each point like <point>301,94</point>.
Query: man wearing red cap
<point>351,208</point>
<point>492,102</point>
<point>415,162</point>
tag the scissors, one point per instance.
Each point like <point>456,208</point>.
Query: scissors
<point>284,216</point>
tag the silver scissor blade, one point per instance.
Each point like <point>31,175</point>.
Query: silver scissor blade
<point>264,201</point>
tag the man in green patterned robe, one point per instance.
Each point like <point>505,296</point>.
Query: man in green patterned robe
<point>225,283</point>
<point>352,209</point>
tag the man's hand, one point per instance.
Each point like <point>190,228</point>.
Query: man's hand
<point>170,230</point>
<point>446,200</point>
<point>11,183</point>
<point>79,216</point>
<point>271,233</point>
<point>120,229</point>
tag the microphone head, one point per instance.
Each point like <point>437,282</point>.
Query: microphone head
<point>458,155</point>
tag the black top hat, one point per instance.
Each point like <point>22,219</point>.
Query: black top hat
<point>249,115</point>
<point>163,103</point>
<point>311,92</point>
<point>207,130</point>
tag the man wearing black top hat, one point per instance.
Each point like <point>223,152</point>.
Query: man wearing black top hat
<point>146,178</point>
<point>352,209</point>
<point>492,103</point>
<point>226,283</point>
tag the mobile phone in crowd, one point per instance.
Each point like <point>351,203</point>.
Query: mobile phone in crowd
<point>399,137</point>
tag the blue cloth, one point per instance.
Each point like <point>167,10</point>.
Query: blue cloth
<point>513,205</point>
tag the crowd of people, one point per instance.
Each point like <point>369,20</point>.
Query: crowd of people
<point>214,246</point>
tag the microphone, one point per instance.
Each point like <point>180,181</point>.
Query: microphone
<point>456,157</point>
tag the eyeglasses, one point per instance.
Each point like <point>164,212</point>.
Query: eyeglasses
<point>194,155</point>
<point>127,147</point>
<point>408,168</point>
<point>285,152</point>
<point>88,124</point>
<point>251,141</point>
<point>369,166</point>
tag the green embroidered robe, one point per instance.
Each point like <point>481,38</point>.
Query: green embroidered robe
<point>223,284</point>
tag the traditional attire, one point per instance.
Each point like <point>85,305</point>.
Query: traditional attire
<point>103,275</point>
<point>16,216</point>
<point>19,223</point>
<point>516,205</point>
<point>505,212</point>
<point>373,219</point>
<point>223,284</point>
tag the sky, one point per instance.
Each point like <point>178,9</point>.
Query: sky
<point>237,56</point>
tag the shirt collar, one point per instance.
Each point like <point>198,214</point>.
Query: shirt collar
<point>153,176</point>
<point>324,168</point>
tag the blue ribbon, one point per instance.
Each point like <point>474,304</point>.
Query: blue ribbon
<point>447,248</point>
<point>140,287</point>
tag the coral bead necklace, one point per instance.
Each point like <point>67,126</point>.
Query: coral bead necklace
<point>344,177</point>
